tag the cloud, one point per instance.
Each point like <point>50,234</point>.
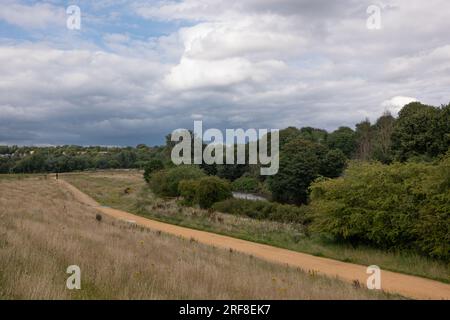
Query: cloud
<point>35,16</point>
<point>195,74</point>
<point>155,67</point>
<point>397,103</point>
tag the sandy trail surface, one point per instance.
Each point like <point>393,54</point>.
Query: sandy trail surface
<point>406,285</point>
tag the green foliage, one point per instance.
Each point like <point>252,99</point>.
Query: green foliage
<point>314,134</point>
<point>231,171</point>
<point>396,206</point>
<point>247,184</point>
<point>165,182</point>
<point>188,190</point>
<point>264,210</point>
<point>74,158</point>
<point>31,164</point>
<point>421,130</point>
<point>151,167</point>
<point>301,162</point>
<point>332,164</point>
<point>364,136</point>
<point>343,139</point>
<point>382,144</point>
<point>205,191</point>
<point>287,135</point>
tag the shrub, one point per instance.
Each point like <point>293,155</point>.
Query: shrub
<point>264,210</point>
<point>165,182</point>
<point>188,190</point>
<point>205,191</point>
<point>246,184</point>
<point>390,206</point>
<point>151,167</point>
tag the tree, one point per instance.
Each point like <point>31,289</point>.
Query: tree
<point>126,158</point>
<point>30,164</point>
<point>287,135</point>
<point>301,162</point>
<point>165,182</point>
<point>205,191</point>
<point>421,131</point>
<point>343,139</point>
<point>314,134</point>
<point>383,129</point>
<point>248,184</point>
<point>333,163</point>
<point>151,167</point>
<point>364,134</point>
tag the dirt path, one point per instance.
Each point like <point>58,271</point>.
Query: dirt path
<point>408,286</point>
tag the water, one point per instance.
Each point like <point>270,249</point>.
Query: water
<point>248,196</point>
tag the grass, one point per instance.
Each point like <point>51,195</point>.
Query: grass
<point>108,189</point>
<point>43,230</point>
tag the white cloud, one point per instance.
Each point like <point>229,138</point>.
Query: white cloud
<point>39,15</point>
<point>252,63</point>
<point>395,104</point>
<point>195,74</point>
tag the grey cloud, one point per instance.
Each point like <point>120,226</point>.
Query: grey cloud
<point>262,64</point>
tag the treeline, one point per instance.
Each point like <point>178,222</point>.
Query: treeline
<point>419,133</point>
<point>14,159</point>
<point>385,184</point>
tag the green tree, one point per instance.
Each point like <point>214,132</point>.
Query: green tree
<point>364,135</point>
<point>301,162</point>
<point>314,134</point>
<point>247,184</point>
<point>383,130</point>
<point>421,131</point>
<point>165,182</point>
<point>151,167</point>
<point>332,164</point>
<point>205,191</point>
<point>343,139</point>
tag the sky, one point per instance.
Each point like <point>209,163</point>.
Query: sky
<point>137,70</point>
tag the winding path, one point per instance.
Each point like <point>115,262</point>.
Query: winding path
<point>406,285</point>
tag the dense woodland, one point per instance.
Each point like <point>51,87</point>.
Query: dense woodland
<point>385,184</point>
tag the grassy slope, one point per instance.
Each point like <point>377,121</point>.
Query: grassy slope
<point>43,231</point>
<point>108,189</point>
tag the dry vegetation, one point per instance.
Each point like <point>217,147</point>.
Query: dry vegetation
<point>108,188</point>
<point>43,230</point>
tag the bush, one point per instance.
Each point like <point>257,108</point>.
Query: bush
<point>390,206</point>
<point>205,191</point>
<point>188,190</point>
<point>264,210</point>
<point>165,182</point>
<point>247,184</point>
<point>151,167</point>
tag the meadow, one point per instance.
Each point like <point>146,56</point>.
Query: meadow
<point>126,190</point>
<point>43,230</point>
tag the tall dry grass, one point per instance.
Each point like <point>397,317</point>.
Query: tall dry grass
<point>43,230</point>
<point>107,187</point>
